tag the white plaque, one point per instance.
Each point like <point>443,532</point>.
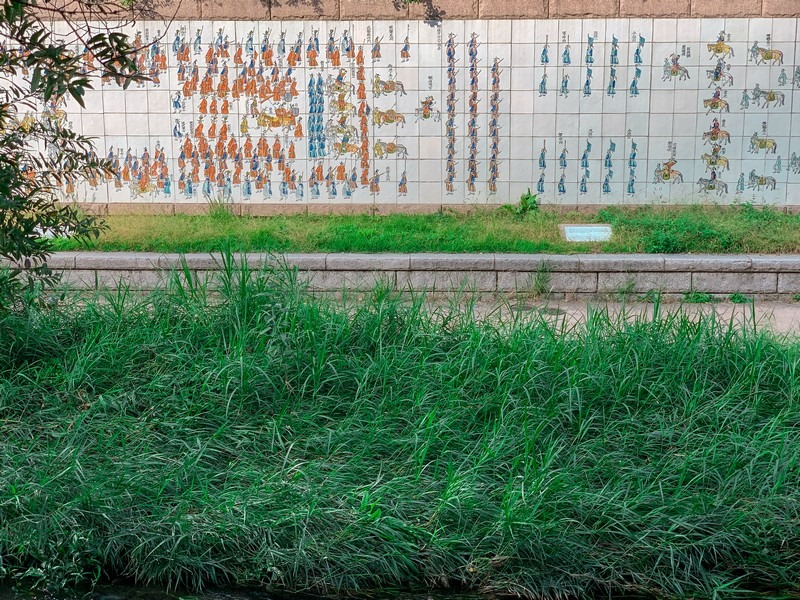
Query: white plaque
<point>586,233</point>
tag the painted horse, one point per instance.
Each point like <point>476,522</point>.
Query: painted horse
<point>672,70</point>
<point>719,135</point>
<point>667,175</point>
<point>720,49</point>
<point>757,182</point>
<point>716,105</point>
<point>766,55</point>
<point>716,185</point>
<point>385,148</point>
<point>715,161</point>
<point>381,87</point>
<point>767,96</point>
<point>765,143</point>
<point>719,77</point>
<point>382,117</point>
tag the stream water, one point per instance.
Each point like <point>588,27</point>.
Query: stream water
<point>130,592</point>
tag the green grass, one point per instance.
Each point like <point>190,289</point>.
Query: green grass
<point>512,229</point>
<point>254,435</point>
<point>738,298</point>
<point>695,297</point>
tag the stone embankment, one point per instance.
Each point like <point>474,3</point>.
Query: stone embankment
<point>558,276</point>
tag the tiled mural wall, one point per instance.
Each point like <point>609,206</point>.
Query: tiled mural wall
<point>601,111</point>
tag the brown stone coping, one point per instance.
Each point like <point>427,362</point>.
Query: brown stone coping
<point>265,10</point>
<point>272,209</point>
<point>484,9</point>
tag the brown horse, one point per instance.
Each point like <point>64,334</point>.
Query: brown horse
<point>762,143</point>
<point>381,87</point>
<point>385,148</point>
<point>667,175</point>
<point>766,55</point>
<point>340,148</point>
<point>716,136</point>
<point>382,117</point>
<point>716,104</point>
<point>715,161</point>
<point>720,49</point>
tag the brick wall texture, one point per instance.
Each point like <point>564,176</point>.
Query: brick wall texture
<point>473,9</point>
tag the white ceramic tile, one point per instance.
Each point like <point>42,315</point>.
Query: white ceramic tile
<point>524,56</point>
<point>590,124</point>
<point>430,33</point>
<point>662,102</point>
<point>522,80</point>
<point>430,56</point>
<point>114,125</point>
<point>520,102</point>
<point>523,31</point>
<point>784,30</point>
<point>666,107</point>
<point>758,30</point>
<point>737,29</point>
<point>711,28</point>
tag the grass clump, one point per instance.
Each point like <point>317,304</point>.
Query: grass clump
<point>528,203</point>
<point>526,227</point>
<point>695,297</point>
<point>651,297</point>
<point>739,298</point>
<point>247,433</point>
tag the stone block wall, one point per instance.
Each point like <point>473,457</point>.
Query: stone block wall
<point>557,276</point>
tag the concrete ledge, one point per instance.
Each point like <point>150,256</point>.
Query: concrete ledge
<point>771,263</point>
<point>367,262</point>
<point>622,263</point>
<point>452,262</point>
<point>130,261</point>
<point>211,262</point>
<point>271,209</point>
<point>535,262</point>
<point>707,262</point>
<point>307,262</point>
<point>578,274</point>
<point>193,261</point>
<point>61,260</point>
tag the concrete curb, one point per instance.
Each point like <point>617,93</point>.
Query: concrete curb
<point>260,209</point>
<point>559,275</point>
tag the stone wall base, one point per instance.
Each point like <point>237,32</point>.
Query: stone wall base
<point>272,210</point>
<point>556,276</point>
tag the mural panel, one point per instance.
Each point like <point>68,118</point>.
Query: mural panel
<point>582,112</point>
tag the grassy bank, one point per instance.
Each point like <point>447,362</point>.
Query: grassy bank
<point>651,230</point>
<point>268,438</point>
